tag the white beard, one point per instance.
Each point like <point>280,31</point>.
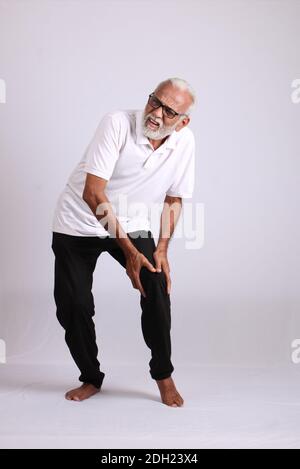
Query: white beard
<point>161,132</point>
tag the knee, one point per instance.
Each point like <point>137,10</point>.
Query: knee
<point>154,278</point>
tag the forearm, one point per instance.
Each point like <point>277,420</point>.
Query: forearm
<point>169,217</point>
<point>106,216</point>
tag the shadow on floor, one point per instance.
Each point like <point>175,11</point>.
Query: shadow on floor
<point>18,385</point>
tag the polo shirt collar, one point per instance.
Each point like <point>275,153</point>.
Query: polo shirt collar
<point>170,142</point>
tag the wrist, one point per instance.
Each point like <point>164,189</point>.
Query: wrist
<point>161,247</point>
<point>130,251</point>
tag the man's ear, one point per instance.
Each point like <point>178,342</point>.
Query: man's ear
<point>182,123</point>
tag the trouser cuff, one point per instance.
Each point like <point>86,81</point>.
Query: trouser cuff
<point>161,375</point>
<point>95,382</point>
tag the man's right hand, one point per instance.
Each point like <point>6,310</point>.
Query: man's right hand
<point>134,262</point>
<point>94,195</point>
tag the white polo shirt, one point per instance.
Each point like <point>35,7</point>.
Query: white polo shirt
<point>138,176</point>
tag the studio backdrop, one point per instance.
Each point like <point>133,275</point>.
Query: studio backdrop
<point>235,274</point>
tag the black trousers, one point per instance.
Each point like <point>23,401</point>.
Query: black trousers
<point>75,262</point>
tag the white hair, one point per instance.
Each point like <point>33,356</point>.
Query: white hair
<point>182,85</point>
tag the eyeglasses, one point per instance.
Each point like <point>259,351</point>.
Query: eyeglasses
<point>167,111</point>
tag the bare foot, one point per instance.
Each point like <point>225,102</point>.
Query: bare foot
<point>168,392</point>
<point>85,391</point>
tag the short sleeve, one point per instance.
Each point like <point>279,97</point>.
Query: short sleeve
<point>184,180</point>
<point>103,151</point>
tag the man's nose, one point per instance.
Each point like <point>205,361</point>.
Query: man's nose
<point>158,112</point>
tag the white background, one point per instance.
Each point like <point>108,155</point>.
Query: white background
<point>65,63</point>
<point>235,301</point>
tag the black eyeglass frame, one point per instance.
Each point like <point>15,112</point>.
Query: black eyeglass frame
<point>164,107</point>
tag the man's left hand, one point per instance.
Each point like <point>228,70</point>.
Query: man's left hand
<point>162,264</point>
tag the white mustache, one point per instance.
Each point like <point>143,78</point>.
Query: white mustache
<point>154,120</point>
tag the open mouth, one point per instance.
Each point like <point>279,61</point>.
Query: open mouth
<point>152,123</point>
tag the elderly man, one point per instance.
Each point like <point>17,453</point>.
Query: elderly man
<point>147,157</point>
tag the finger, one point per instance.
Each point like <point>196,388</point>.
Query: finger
<point>165,267</point>
<point>168,278</point>
<point>140,286</point>
<point>132,280</point>
<point>169,286</point>
<point>149,266</point>
<point>158,266</point>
